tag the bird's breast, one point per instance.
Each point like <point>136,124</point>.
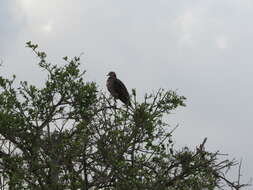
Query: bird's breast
<point>111,88</point>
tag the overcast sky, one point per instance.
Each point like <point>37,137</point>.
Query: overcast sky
<point>202,49</point>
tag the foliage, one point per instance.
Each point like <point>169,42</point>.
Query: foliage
<point>68,135</point>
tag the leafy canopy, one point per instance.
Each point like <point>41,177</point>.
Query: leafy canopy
<point>69,135</point>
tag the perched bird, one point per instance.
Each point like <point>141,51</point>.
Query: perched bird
<point>117,89</point>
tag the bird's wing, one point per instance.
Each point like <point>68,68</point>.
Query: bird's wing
<point>121,89</point>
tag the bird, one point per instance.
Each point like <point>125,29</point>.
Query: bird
<point>117,88</point>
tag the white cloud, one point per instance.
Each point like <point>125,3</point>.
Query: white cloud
<point>222,42</point>
<point>46,16</point>
<point>26,4</point>
<point>47,28</point>
<point>186,40</point>
<point>186,21</point>
<point>186,24</point>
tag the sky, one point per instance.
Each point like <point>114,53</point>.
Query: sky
<point>202,49</point>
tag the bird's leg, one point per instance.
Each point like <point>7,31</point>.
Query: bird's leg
<point>115,103</point>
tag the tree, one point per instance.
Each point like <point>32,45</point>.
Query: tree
<point>69,135</point>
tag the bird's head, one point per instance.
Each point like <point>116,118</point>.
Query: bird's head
<point>112,74</point>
